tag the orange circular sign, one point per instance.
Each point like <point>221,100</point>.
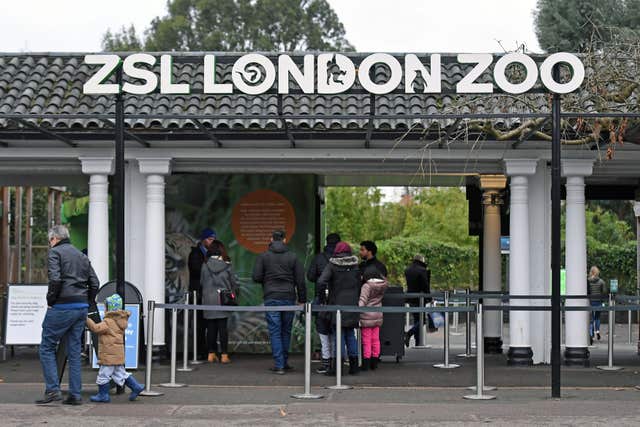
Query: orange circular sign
<point>257,215</point>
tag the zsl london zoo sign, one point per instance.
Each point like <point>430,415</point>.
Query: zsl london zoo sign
<point>254,74</point>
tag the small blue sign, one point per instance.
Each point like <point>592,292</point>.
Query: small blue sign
<point>131,337</point>
<point>613,286</point>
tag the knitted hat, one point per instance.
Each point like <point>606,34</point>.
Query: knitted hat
<point>420,258</point>
<point>333,239</point>
<point>114,302</point>
<point>206,233</point>
<point>342,248</point>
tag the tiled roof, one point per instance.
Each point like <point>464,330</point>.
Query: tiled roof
<point>52,84</point>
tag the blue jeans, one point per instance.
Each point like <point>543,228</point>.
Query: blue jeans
<point>280,324</point>
<point>594,326</point>
<point>59,324</point>
<point>349,340</point>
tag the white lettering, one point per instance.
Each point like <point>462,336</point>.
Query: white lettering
<point>210,85</point>
<point>149,77</point>
<point>336,73</point>
<point>95,85</point>
<point>380,88</point>
<point>577,75</point>
<point>166,78</point>
<point>414,70</point>
<point>249,78</point>
<point>468,84</point>
<point>501,79</point>
<point>286,68</point>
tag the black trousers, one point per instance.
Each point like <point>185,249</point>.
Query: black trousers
<point>217,329</point>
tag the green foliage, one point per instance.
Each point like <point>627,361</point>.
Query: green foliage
<point>616,261</point>
<point>124,41</point>
<point>238,25</point>
<point>572,25</point>
<point>604,227</point>
<point>451,266</point>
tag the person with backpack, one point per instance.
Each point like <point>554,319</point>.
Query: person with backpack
<point>219,287</point>
<point>342,279</point>
<point>323,319</point>
<point>371,295</point>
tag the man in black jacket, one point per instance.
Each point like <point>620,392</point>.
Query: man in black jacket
<point>323,325</point>
<point>72,285</point>
<point>370,265</point>
<point>197,257</point>
<point>418,281</point>
<point>282,277</point>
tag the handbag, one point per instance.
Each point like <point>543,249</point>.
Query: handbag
<point>227,297</point>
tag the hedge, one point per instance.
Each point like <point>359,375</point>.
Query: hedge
<point>451,266</point>
<point>615,262</point>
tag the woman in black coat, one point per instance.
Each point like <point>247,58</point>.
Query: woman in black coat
<point>342,279</point>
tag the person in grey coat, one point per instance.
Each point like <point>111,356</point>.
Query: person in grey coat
<point>217,275</point>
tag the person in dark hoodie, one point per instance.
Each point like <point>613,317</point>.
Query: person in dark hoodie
<point>197,257</point>
<point>371,265</point>
<point>282,277</point>
<point>342,279</point>
<point>595,289</point>
<point>418,278</point>
<point>323,320</point>
<point>217,275</point>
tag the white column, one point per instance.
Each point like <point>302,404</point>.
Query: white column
<point>99,170</point>
<point>577,322</point>
<point>135,214</point>
<point>520,352</point>
<point>540,256</point>
<point>491,258</point>
<point>154,274</point>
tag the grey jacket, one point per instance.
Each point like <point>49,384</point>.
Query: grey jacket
<point>71,277</point>
<point>215,276</point>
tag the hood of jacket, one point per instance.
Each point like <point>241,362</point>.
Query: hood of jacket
<point>377,284</point>
<point>121,317</point>
<point>278,247</point>
<point>344,261</point>
<point>217,264</point>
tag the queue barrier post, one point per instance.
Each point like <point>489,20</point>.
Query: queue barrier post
<point>629,325</point>
<point>446,364</point>
<point>195,360</point>
<point>612,325</point>
<point>147,387</point>
<point>174,337</point>
<point>307,358</point>
<point>467,330</point>
<point>185,338</point>
<point>422,336</point>
<point>339,385</point>
<point>480,388</point>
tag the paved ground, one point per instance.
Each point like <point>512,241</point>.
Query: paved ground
<point>411,392</point>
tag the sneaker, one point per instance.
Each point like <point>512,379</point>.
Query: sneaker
<point>49,397</point>
<point>71,400</point>
<point>598,335</point>
<point>288,368</point>
<point>277,371</point>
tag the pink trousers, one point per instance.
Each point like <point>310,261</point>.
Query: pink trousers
<point>371,342</point>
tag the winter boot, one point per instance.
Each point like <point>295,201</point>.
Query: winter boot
<point>366,363</point>
<point>374,363</point>
<point>331,371</point>
<point>135,387</point>
<point>103,394</point>
<point>324,367</point>
<point>224,359</point>
<point>212,358</point>
<point>353,366</point>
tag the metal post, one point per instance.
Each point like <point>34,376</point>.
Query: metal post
<point>480,387</point>
<point>555,240</point>
<point>174,337</point>
<point>150,316</point>
<point>339,385</point>
<point>359,343</point>
<point>612,326</point>
<point>194,360</point>
<point>118,191</point>
<point>456,315</point>
<point>446,364</point>
<point>185,338</point>
<point>629,324</point>
<point>307,358</point>
<point>467,330</point>
<point>421,331</point>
